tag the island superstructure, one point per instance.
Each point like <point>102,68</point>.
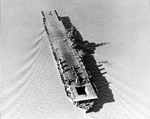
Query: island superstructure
<point>75,78</point>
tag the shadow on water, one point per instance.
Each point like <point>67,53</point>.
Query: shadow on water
<point>104,93</point>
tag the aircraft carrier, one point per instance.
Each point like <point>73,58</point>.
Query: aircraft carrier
<point>75,78</point>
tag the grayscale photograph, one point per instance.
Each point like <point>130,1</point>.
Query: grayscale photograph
<point>75,59</point>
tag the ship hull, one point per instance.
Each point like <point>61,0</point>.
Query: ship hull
<point>75,78</point>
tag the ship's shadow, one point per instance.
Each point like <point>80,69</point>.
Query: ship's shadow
<point>104,93</point>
